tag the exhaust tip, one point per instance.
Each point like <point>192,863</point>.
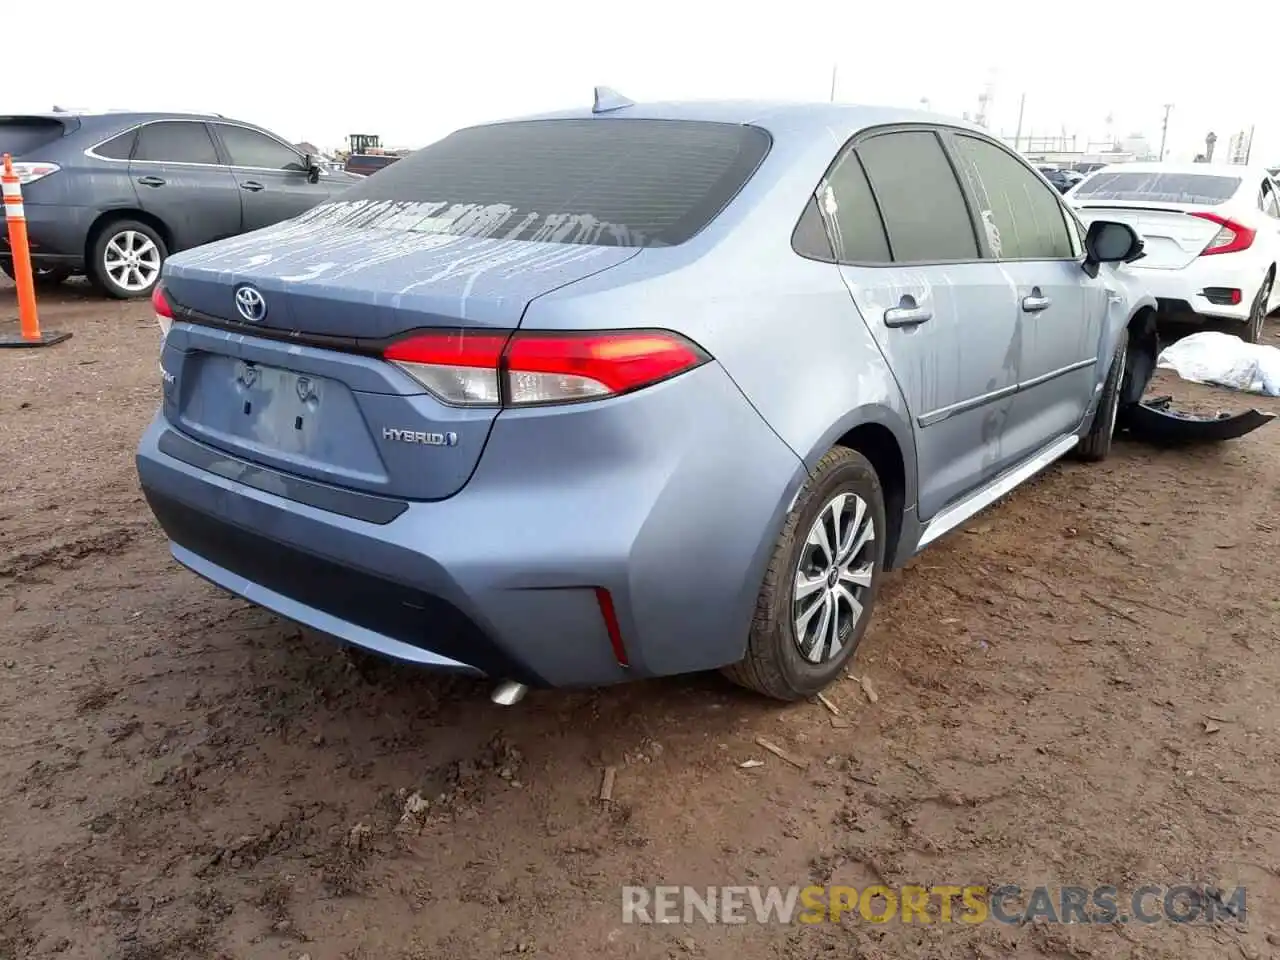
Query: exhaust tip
<point>508,693</point>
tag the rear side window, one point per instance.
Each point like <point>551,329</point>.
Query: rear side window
<point>20,135</point>
<point>852,218</point>
<point>1201,189</point>
<point>1022,217</point>
<point>924,211</point>
<point>171,141</point>
<point>118,148</point>
<point>613,182</point>
<point>249,148</point>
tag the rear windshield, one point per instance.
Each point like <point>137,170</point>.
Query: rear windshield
<point>1198,188</point>
<point>20,135</point>
<point>612,182</point>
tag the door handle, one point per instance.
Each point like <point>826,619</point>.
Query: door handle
<point>907,316</point>
<point>252,185</point>
<point>151,181</point>
<point>1035,302</point>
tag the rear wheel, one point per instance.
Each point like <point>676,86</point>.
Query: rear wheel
<point>43,276</point>
<point>1257,321</point>
<point>816,600</point>
<point>126,259</point>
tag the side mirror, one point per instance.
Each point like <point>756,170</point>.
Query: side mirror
<point>1108,241</point>
<point>313,169</point>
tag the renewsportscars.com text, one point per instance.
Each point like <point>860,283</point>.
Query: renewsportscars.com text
<point>968,904</point>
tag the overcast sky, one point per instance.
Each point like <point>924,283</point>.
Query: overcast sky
<point>414,72</point>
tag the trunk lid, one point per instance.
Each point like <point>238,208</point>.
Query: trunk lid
<point>309,394</point>
<point>330,280</point>
<point>1173,236</point>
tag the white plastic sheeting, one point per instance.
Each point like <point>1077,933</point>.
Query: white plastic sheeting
<point>1224,360</point>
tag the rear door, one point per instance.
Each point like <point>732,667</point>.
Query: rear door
<point>1061,310</point>
<point>180,181</point>
<point>270,174</point>
<point>945,319</point>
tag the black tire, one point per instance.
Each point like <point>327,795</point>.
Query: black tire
<point>774,664</point>
<point>1257,322</point>
<point>97,270</point>
<point>1096,444</point>
<point>44,277</point>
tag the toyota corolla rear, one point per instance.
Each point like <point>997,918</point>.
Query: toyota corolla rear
<point>362,431</point>
<point>1203,254</point>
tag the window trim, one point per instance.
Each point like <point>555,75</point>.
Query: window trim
<point>137,140</point>
<point>136,129</point>
<point>130,132</point>
<point>868,133</point>
<point>219,148</point>
<point>816,201</point>
<point>1063,210</point>
<point>225,152</point>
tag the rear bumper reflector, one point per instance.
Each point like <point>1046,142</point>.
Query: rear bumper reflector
<point>605,599</point>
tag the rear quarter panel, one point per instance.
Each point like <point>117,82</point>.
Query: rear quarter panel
<point>82,181</point>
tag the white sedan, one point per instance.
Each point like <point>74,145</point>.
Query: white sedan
<point>1212,235</point>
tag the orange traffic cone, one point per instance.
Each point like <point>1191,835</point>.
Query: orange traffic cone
<point>29,334</point>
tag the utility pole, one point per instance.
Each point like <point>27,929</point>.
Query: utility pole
<point>1248,150</point>
<point>1022,106</point>
<point>834,68</point>
<point>1164,129</point>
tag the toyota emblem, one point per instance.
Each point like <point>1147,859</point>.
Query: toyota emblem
<point>250,304</point>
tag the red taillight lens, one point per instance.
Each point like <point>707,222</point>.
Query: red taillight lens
<point>164,312</point>
<point>1231,236</point>
<point>557,368</point>
<point>483,369</point>
<point>160,304</point>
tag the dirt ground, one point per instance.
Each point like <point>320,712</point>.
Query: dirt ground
<point>1081,688</point>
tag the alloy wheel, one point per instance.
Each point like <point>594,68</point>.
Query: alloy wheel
<point>833,577</point>
<point>132,261</point>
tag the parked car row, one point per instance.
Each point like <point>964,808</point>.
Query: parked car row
<point>640,390</point>
<point>1211,235</point>
<point>1062,178</point>
<point>112,195</point>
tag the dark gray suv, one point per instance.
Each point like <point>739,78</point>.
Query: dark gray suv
<point>111,195</point>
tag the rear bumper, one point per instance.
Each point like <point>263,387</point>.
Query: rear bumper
<point>56,234</point>
<point>670,499</point>
<point>1184,294</point>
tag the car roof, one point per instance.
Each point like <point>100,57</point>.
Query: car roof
<point>781,117</point>
<point>130,116</point>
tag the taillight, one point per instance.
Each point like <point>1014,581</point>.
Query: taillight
<point>1231,236</point>
<point>164,312</point>
<point>31,171</point>
<point>540,367</point>
<point>556,368</point>
<point>460,368</point>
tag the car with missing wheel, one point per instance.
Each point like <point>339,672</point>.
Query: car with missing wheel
<point>111,195</point>
<point>635,390</point>
<point>1211,235</point>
